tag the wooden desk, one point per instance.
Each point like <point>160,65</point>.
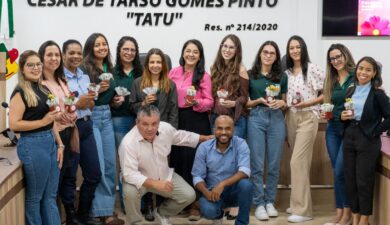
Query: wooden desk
<point>381,213</point>
<point>12,188</point>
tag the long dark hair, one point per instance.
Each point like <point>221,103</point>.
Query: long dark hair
<point>276,69</point>
<point>199,68</point>
<point>59,72</point>
<point>137,67</point>
<point>89,61</point>
<point>222,71</point>
<point>377,80</point>
<point>146,79</point>
<point>305,59</point>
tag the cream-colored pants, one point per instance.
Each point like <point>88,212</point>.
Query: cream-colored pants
<point>302,129</point>
<point>181,196</point>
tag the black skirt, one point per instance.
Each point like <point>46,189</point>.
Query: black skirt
<point>182,158</point>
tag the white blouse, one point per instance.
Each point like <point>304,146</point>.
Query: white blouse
<point>309,89</point>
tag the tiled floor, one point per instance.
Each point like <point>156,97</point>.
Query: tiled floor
<point>323,206</point>
<point>320,217</point>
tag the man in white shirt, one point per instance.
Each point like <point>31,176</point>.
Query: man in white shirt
<point>143,158</point>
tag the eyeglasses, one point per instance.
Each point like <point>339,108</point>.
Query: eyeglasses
<point>31,66</point>
<point>267,53</point>
<point>227,47</point>
<point>131,50</point>
<point>336,58</point>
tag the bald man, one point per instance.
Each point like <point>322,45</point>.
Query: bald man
<point>221,171</point>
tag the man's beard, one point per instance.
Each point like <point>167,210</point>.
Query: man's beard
<point>222,143</point>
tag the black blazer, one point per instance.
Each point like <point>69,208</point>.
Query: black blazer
<point>376,112</point>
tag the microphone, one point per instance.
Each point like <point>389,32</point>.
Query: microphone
<point>7,132</point>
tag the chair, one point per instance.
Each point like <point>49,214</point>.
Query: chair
<point>142,57</point>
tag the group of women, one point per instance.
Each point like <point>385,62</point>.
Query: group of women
<point>262,101</point>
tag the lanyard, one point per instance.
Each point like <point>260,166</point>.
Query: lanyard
<point>104,66</point>
<point>10,17</point>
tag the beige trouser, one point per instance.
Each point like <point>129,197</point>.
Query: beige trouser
<point>181,196</point>
<point>302,131</point>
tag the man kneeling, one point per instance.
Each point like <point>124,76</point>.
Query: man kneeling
<point>220,172</point>
<point>143,158</point>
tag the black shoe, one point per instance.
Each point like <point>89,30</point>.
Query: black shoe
<point>149,215</point>
<point>230,217</point>
<point>92,221</point>
<point>83,214</point>
<point>71,216</point>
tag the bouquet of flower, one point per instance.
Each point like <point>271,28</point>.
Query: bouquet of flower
<point>150,90</point>
<point>222,94</point>
<point>297,98</point>
<point>70,103</point>
<point>93,89</point>
<point>349,106</point>
<point>122,91</point>
<point>271,92</point>
<point>327,108</point>
<point>191,92</point>
<point>106,76</point>
<point>52,102</point>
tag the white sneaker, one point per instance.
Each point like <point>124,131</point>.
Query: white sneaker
<point>218,221</point>
<point>288,210</point>
<point>271,211</point>
<point>261,213</point>
<point>162,220</point>
<point>298,219</point>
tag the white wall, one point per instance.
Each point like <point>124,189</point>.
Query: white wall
<point>35,25</point>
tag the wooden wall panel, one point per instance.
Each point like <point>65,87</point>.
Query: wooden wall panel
<point>2,99</point>
<point>3,63</point>
<point>321,169</point>
<point>12,195</point>
<point>381,210</point>
<point>2,89</point>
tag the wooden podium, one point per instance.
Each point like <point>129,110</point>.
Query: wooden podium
<point>12,187</point>
<point>2,89</point>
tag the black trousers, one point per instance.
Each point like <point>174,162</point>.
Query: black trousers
<point>89,162</point>
<point>361,156</point>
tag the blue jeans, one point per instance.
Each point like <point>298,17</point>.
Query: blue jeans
<point>334,144</point>
<point>89,162</point>
<point>38,153</point>
<point>122,125</point>
<point>103,130</point>
<point>239,194</point>
<point>266,135</point>
<point>239,126</point>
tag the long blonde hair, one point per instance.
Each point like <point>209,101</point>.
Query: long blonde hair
<point>29,94</point>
